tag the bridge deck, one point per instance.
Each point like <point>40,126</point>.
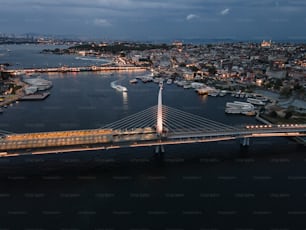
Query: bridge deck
<point>138,137</point>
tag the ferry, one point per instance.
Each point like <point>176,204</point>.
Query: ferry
<point>39,83</point>
<point>255,101</point>
<point>238,107</point>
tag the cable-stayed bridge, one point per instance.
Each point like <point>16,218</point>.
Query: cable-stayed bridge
<point>156,126</point>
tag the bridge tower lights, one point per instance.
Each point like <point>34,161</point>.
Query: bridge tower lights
<point>159,123</point>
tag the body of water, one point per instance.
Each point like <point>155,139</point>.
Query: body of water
<point>197,186</point>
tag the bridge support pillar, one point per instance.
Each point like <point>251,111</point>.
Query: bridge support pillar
<point>159,149</point>
<point>245,142</point>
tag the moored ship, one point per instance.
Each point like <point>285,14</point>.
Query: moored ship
<point>255,101</point>
<point>39,83</point>
<point>238,107</point>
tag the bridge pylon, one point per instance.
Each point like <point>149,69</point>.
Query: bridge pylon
<point>159,123</point>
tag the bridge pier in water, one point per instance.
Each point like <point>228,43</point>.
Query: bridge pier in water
<point>244,145</point>
<point>159,149</point>
<point>245,142</point>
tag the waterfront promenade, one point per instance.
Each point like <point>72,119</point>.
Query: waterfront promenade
<point>64,69</point>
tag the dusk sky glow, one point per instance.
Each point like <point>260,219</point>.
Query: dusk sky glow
<point>157,19</point>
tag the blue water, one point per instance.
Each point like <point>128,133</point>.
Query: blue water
<point>31,56</point>
<point>198,186</point>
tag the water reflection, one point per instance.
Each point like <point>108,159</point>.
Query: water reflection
<point>204,98</point>
<point>125,101</point>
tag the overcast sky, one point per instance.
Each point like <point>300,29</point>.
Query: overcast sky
<point>157,19</point>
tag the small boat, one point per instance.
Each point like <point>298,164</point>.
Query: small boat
<point>133,81</point>
<point>213,93</point>
<point>121,88</point>
<point>222,93</point>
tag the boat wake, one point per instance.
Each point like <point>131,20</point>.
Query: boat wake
<point>119,88</point>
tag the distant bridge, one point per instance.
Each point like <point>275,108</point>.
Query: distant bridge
<point>156,126</point>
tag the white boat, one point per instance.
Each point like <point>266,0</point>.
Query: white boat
<point>243,106</point>
<point>119,88</point>
<point>232,111</point>
<point>213,93</point>
<point>261,98</point>
<point>205,90</point>
<point>30,90</point>
<point>238,107</point>
<point>255,101</point>
<point>133,81</point>
<point>222,93</point>
<point>169,81</point>
<point>39,83</point>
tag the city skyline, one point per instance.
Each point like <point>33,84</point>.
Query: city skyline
<point>157,19</point>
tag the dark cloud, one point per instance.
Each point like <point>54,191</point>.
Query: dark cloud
<point>145,19</point>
